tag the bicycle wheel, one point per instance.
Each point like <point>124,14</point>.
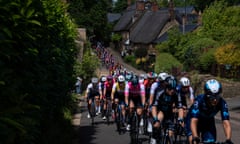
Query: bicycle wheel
<point>167,140</point>
<point>180,136</point>
<point>134,132</point>
<point>92,112</point>
<point>119,119</point>
<point>108,112</point>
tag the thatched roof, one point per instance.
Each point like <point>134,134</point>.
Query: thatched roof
<point>188,28</point>
<point>149,27</point>
<point>125,21</point>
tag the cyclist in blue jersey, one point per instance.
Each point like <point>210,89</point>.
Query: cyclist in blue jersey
<point>200,118</point>
<point>162,109</point>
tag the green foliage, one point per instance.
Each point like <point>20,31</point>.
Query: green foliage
<point>165,62</point>
<point>206,60</point>
<point>92,15</point>
<point>116,37</point>
<point>119,6</point>
<point>86,69</point>
<point>37,55</point>
<point>131,59</point>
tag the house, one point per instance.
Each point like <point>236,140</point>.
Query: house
<point>144,25</point>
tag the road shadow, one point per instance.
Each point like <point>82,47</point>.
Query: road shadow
<point>85,134</point>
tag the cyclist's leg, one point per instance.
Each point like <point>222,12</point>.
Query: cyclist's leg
<point>97,102</point>
<point>208,132</point>
<point>122,103</point>
<point>156,126</point>
<point>104,107</point>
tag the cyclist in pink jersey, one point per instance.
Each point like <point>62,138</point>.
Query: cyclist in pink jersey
<point>135,97</point>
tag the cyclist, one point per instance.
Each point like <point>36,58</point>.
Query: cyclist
<point>108,85</point>
<point>135,98</point>
<point>159,83</point>
<point>162,109</point>
<point>118,95</point>
<point>92,94</point>
<point>151,78</point>
<point>184,89</point>
<point>200,118</point>
<point>103,79</point>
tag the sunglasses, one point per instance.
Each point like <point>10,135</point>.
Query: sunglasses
<point>213,97</point>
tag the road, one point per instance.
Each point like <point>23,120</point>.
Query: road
<point>101,133</point>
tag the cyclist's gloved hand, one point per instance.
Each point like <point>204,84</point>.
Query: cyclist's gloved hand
<point>195,140</point>
<point>180,120</point>
<point>155,119</point>
<point>228,141</point>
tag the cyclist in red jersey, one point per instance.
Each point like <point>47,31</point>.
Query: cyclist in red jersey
<point>107,93</point>
<point>151,78</point>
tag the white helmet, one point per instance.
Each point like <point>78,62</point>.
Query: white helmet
<point>121,78</point>
<point>103,78</point>
<point>162,76</point>
<point>185,81</point>
<point>94,80</point>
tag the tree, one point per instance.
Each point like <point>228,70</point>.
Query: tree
<point>92,15</point>
<point>38,50</point>
<point>228,54</point>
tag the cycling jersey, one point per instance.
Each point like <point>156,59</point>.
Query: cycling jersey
<point>165,102</point>
<point>200,109</point>
<point>205,115</point>
<point>135,91</point>
<point>184,94</point>
<point>93,90</point>
<point>108,86</point>
<point>148,83</point>
<point>119,91</point>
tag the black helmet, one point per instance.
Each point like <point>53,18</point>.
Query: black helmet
<point>171,82</point>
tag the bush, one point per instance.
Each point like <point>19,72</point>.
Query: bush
<point>38,51</point>
<point>165,62</point>
<point>207,60</point>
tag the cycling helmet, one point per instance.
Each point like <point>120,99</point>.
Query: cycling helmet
<point>171,82</point>
<point>109,77</point>
<point>121,78</point>
<point>103,78</point>
<point>151,75</point>
<point>128,76</point>
<point>212,87</point>
<point>185,82</point>
<point>162,76</point>
<point>94,80</point>
<point>135,80</point>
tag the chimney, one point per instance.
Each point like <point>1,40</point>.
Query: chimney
<point>171,9</point>
<point>140,5</point>
<point>154,6</point>
<point>199,21</point>
<point>129,2</point>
